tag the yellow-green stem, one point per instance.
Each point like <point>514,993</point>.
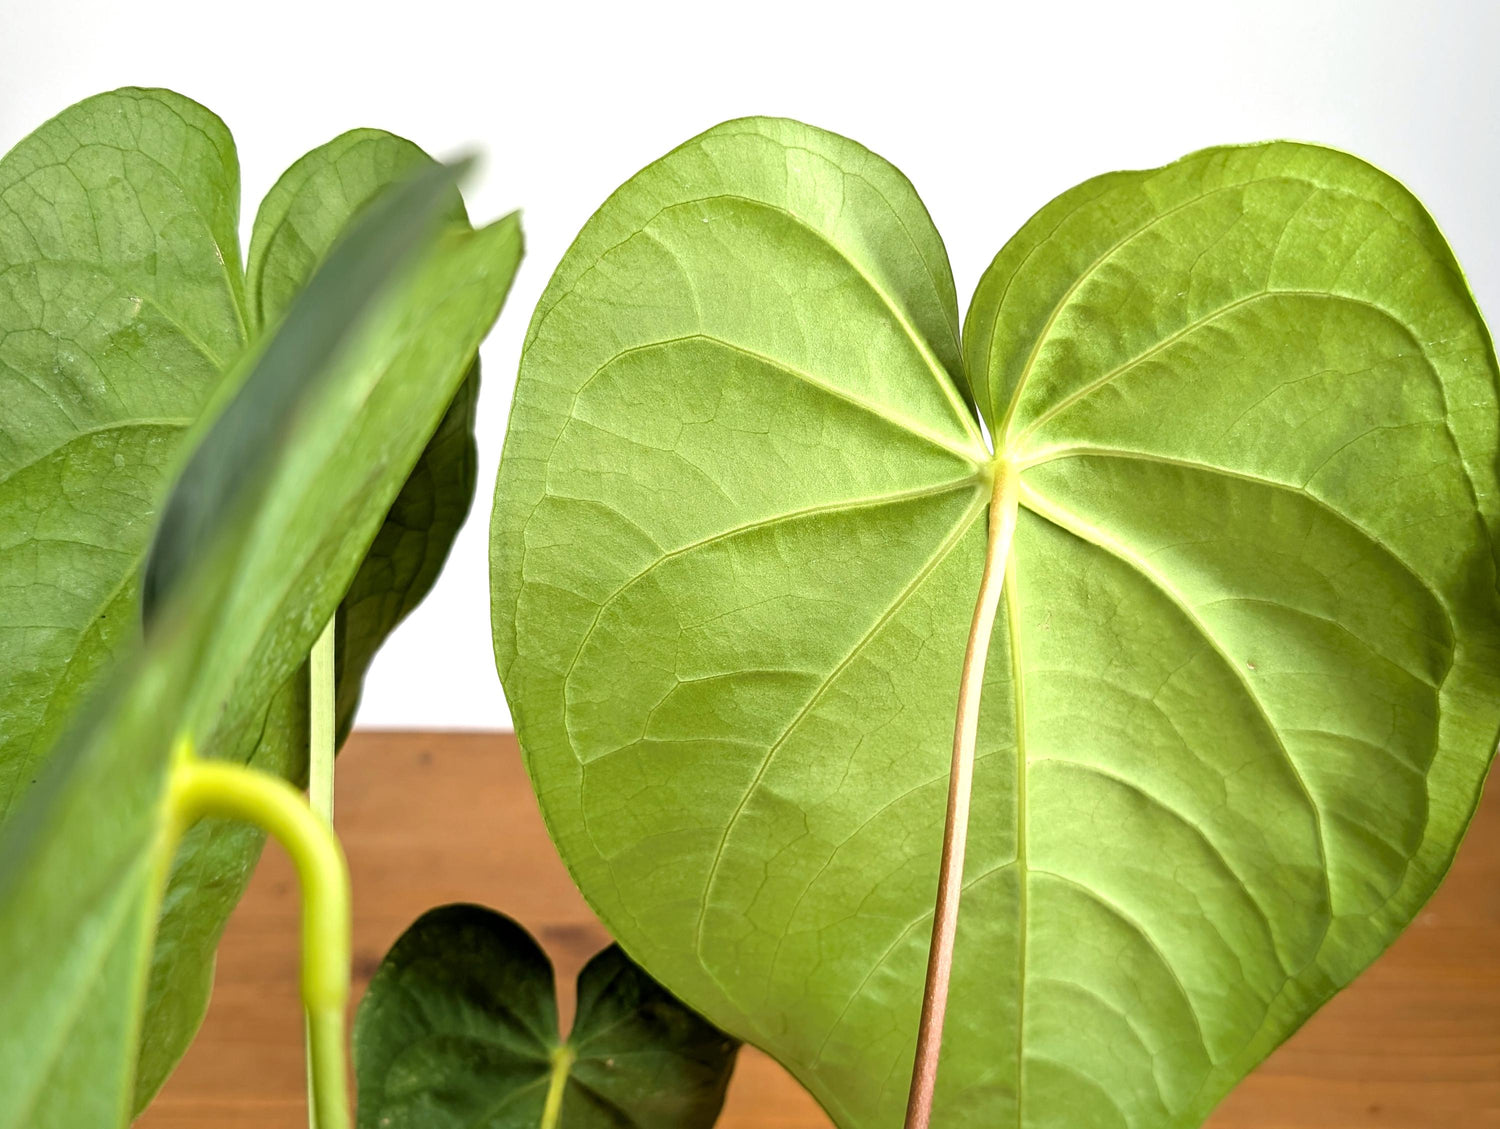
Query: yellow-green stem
<point>201,788</point>
<point>321,720</point>
<point>320,725</point>
<point>1002,527</point>
<point>562,1063</point>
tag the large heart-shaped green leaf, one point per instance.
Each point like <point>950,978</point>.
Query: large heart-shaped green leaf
<point>458,1030</point>
<point>122,307</point>
<point>1243,686</point>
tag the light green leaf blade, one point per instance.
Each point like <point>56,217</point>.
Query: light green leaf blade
<point>455,294</point>
<point>120,305</point>
<point>1286,451</point>
<point>1242,692</point>
<point>459,1029</point>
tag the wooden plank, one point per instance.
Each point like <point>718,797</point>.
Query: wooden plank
<point>434,818</point>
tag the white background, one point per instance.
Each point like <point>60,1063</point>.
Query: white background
<point>990,109</point>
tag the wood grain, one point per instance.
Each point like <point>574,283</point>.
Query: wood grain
<point>433,818</point>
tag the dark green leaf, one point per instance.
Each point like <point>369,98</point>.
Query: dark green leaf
<point>458,1030</point>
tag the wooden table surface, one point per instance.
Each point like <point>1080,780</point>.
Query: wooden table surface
<point>434,818</point>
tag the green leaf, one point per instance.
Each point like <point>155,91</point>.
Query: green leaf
<point>120,308</point>
<point>298,222</point>
<point>81,869</point>
<point>459,1028</point>
<point>1243,687</point>
<point>72,375</point>
<point>83,862</point>
<point>337,300</point>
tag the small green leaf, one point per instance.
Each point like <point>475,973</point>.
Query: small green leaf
<point>458,1030</point>
<point>1245,680</point>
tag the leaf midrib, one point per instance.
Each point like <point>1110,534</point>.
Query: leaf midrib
<point>165,422</point>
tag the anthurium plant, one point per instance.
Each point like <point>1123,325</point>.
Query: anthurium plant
<point>1025,723</point>
<point>313,407</point>
<point>1153,612</point>
<point>221,487</point>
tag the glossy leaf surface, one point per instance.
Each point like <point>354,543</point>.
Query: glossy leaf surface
<point>458,1030</point>
<point>1243,688</point>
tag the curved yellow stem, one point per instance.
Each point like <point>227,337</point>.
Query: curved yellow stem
<point>1002,528</point>
<point>200,788</point>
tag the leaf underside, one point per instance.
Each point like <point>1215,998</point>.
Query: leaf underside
<point>459,1029</point>
<point>1242,690</point>
<point>124,323</point>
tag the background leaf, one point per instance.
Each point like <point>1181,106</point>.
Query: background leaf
<point>48,235</point>
<point>120,306</point>
<point>459,1028</point>
<point>1242,692</point>
<point>83,862</point>
<point>297,223</point>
